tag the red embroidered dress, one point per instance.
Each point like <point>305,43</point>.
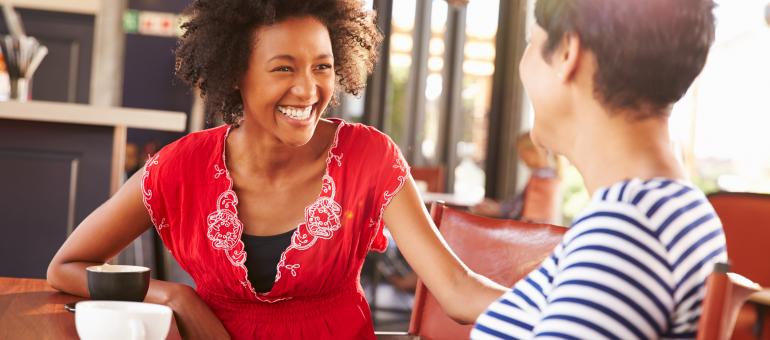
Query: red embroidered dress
<point>317,295</point>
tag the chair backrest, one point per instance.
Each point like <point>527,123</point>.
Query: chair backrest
<point>432,176</point>
<point>502,250</point>
<point>746,221</point>
<point>725,294</point>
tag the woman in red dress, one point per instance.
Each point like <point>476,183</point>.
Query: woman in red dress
<point>273,214</point>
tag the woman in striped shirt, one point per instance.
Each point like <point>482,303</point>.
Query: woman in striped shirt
<point>602,76</point>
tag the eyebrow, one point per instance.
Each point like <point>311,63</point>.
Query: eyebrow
<point>291,58</point>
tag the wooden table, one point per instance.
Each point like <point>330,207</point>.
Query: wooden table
<point>31,309</point>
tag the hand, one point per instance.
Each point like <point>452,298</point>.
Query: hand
<point>488,207</point>
<point>194,318</point>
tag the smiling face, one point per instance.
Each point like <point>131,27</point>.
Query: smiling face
<point>289,81</point>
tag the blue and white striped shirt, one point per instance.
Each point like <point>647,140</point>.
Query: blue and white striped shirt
<point>632,266</point>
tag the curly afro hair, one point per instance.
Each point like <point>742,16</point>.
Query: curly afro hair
<point>213,53</point>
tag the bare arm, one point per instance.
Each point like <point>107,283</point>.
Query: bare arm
<point>105,232</point>
<point>102,235</point>
<point>463,294</point>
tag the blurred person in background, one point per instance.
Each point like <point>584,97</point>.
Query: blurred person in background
<point>539,201</point>
<point>602,76</point>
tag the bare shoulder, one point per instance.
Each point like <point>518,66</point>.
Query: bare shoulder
<point>328,128</point>
<point>325,133</point>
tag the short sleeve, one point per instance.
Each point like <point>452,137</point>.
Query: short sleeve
<point>608,286</point>
<point>152,193</point>
<point>390,174</point>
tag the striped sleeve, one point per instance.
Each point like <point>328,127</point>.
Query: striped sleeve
<point>514,314</point>
<point>614,282</point>
<point>633,266</point>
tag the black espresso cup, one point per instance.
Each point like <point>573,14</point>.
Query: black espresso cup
<point>118,282</point>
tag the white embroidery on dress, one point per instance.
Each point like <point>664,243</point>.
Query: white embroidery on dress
<point>217,171</point>
<point>337,158</point>
<point>401,179</point>
<point>225,229</point>
<point>388,195</point>
<point>147,193</point>
<point>292,268</point>
<point>333,156</point>
<point>245,283</point>
<point>322,219</point>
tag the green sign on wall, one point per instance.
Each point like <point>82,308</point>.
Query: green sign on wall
<point>131,21</point>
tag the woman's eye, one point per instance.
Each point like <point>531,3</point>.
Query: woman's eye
<point>324,66</point>
<point>282,69</point>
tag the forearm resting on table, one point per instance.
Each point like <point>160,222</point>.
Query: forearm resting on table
<point>71,278</point>
<point>194,318</point>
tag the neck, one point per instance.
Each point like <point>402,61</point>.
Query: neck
<point>261,154</point>
<point>612,147</point>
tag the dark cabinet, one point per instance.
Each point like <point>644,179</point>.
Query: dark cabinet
<point>51,177</point>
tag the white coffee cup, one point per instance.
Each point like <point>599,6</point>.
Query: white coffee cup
<point>122,320</point>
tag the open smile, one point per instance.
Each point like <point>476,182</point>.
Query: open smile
<point>296,113</point>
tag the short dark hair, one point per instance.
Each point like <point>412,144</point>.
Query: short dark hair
<point>213,53</point>
<point>648,51</point>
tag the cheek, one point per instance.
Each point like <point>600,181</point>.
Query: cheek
<point>543,94</point>
<point>524,73</point>
<point>329,85</point>
<point>532,76</point>
<point>538,89</point>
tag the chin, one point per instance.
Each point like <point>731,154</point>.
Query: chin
<point>296,142</point>
<point>542,136</point>
<point>297,133</point>
<point>535,134</point>
<point>298,138</point>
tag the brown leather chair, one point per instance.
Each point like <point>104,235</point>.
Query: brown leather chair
<point>432,176</point>
<point>746,221</point>
<point>503,250</point>
<point>725,294</point>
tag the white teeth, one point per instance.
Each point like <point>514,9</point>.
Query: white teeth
<point>296,113</point>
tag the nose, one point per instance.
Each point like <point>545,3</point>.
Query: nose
<point>305,87</point>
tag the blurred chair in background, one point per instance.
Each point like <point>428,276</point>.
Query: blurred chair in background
<point>746,222</point>
<point>433,177</point>
<point>725,294</point>
<point>502,250</point>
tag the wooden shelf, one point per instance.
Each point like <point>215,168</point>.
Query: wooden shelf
<point>93,115</point>
<point>79,6</point>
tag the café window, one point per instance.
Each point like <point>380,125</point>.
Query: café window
<point>439,85</point>
<point>720,126</point>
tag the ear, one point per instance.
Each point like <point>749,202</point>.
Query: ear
<point>569,56</point>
